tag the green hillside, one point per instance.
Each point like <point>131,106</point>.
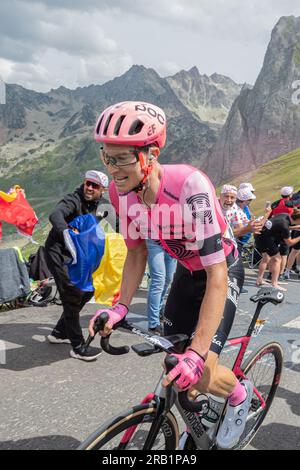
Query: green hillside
<point>271,177</point>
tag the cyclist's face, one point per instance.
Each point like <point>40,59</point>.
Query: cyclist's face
<point>227,200</point>
<point>122,164</point>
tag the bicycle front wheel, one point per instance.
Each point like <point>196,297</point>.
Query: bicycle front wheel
<point>263,369</point>
<point>129,431</point>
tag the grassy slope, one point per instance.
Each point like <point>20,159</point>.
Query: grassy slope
<point>271,177</point>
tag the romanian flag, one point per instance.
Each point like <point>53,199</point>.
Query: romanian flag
<point>15,210</point>
<point>98,259</point>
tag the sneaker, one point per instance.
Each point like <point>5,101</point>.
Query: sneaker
<point>287,275</point>
<point>281,278</point>
<point>244,291</point>
<point>235,420</point>
<point>54,339</point>
<point>85,353</point>
<point>157,330</point>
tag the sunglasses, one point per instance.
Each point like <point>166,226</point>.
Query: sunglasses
<point>92,184</point>
<point>122,160</point>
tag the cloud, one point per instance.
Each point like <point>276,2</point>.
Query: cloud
<point>167,68</point>
<point>72,42</point>
<point>52,47</point>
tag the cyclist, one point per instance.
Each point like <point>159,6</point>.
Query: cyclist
<point>176,205</point>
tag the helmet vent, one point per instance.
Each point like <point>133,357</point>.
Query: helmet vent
<point>118,125</point>
<point>99,125</point>
<point>136,127</point>
<point>107,124</point>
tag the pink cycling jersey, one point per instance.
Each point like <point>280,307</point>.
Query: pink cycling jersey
<point>186,220</point>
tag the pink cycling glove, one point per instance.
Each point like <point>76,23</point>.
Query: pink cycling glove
<point>116,314</point>
<point>190,369</point>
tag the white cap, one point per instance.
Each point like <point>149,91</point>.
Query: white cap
<point>98,177</point>
<point>228,188</point>
<point>245,195</point>
<point>287,191</point>
<point>246,186</point>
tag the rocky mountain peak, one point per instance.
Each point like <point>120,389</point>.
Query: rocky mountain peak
<point>264,121</point>
<point>210,98</point>
<point>194,72</point>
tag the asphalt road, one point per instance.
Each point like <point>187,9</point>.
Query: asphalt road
<point>51,401</point>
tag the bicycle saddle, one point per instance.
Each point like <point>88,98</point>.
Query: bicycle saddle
<point>268,294</point>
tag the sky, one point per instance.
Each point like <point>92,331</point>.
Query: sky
<point>48,43</point>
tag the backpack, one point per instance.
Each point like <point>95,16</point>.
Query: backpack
<point>46,294</point>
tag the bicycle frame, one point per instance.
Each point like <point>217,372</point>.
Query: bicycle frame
<point>193,420</point>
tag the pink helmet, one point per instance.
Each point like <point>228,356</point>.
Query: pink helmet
<point>132,123</point>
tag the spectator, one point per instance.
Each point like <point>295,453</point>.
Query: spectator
<point>84,200</point>
<point>235,215</point>
<point>245,238</point>
<point>280,207</point>
<point>162,267</point>
<point>237,220</point>
<point>276,232</point>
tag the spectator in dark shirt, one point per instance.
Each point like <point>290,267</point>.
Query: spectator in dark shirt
<point>84,200</point>
<point>276,232</point>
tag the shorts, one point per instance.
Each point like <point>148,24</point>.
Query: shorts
<point>186,296</point>
<point>296,234</point>
<point>267,244</point>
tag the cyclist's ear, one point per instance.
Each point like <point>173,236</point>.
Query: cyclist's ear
<point>153,154</point>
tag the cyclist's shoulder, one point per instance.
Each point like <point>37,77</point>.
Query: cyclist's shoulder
<point>187,177</point>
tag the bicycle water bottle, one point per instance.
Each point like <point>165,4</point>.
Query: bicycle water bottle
<point>216,405</point>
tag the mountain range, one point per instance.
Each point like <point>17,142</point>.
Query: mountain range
<point>264,121</point>
<point>222,127</point>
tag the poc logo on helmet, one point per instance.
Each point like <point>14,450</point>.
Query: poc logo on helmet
<point>152,112</point>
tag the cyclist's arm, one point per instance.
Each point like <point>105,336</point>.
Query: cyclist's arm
<point>134,269</point>
<point>212,308</point>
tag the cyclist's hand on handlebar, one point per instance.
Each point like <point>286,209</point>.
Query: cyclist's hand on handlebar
<point>188,370</point>
<point>115,313</point>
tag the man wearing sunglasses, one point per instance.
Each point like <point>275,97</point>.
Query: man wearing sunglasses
<point>87,199</point>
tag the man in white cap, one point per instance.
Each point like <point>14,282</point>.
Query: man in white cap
<point>84,200</point>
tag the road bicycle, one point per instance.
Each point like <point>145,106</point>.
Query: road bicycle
<point>152,424</point>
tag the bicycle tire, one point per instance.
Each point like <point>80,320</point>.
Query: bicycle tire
<point>276,351</point>
<point>138,415</point>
